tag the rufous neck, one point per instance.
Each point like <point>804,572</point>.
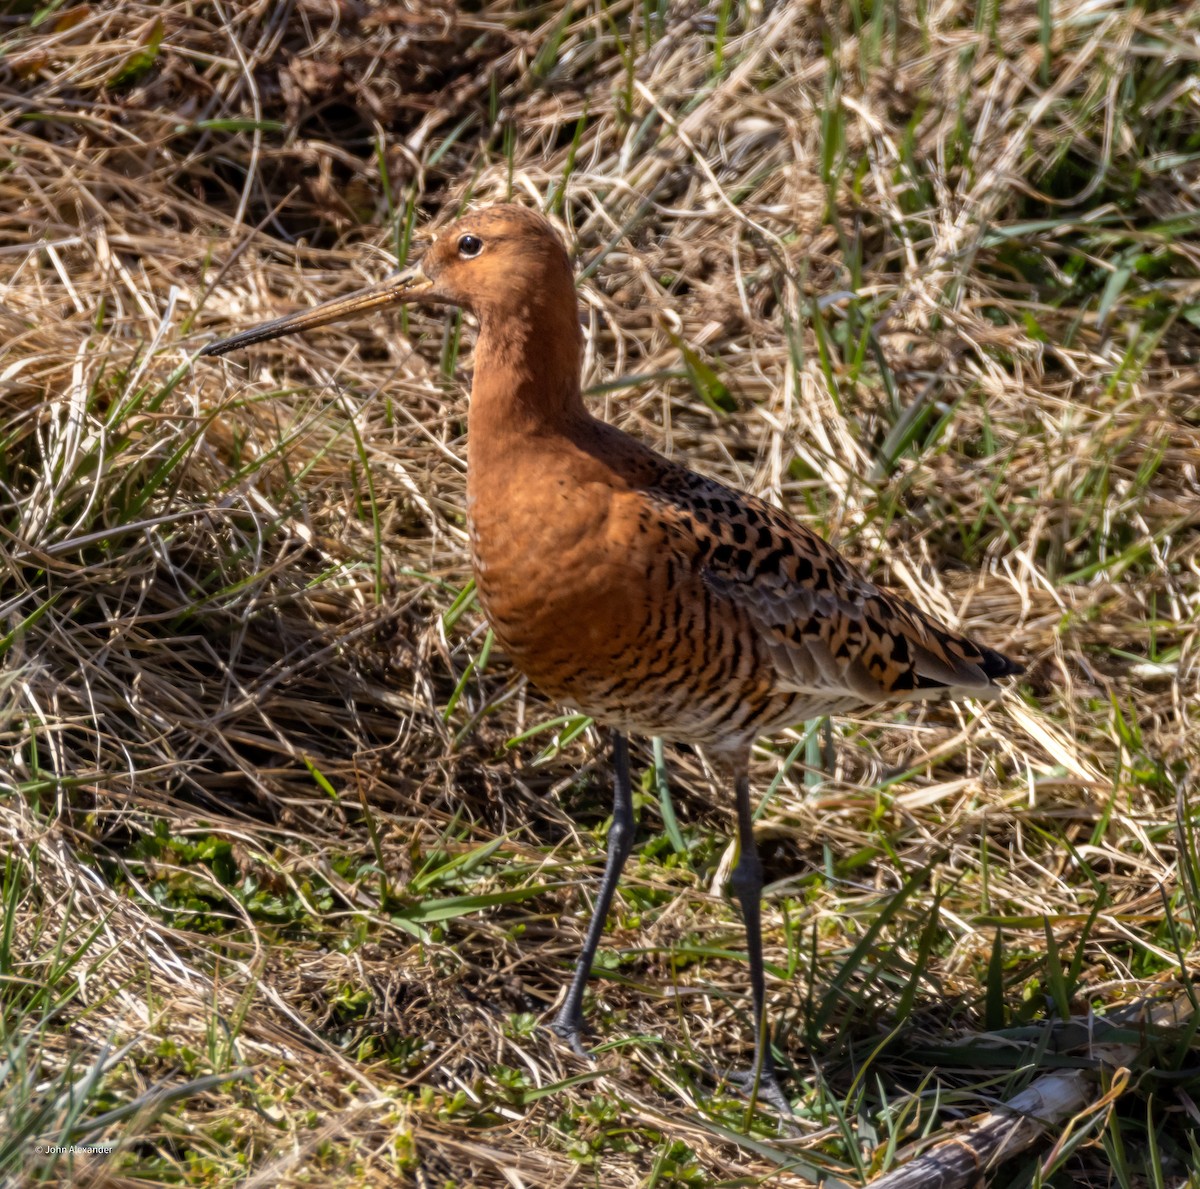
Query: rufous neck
<point>527,371</point>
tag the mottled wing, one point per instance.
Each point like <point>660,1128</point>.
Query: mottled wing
<point>826,628</point>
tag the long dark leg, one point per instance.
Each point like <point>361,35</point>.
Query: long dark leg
<point>569,1022</point>
<point>747,882</point>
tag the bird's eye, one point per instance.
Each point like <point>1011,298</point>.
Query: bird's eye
<point>470,245</point>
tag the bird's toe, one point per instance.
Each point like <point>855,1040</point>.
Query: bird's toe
<point>571,1031</point>
<point>767,1090</point>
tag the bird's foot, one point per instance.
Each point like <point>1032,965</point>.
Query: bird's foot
<point>768,1090</point>
<point>571,1030</point>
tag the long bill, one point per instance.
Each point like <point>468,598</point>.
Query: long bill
<point>410,285</point>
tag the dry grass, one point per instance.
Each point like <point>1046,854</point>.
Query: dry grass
<point>283,901</point>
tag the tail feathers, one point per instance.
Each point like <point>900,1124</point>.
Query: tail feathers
<point>945,659</point>
<point>996,664</point>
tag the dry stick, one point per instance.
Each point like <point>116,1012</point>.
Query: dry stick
<point>1052,1099</point>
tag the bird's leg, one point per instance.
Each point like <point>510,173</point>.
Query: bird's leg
<point>828,752</point>
<point>569,1022</point>
<point>747,882</point>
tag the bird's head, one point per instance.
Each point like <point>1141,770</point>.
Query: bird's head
<point>491,262</point>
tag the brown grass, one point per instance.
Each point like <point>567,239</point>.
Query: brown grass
<point>945,272</point>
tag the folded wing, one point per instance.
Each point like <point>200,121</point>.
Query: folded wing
<point>827,629</point>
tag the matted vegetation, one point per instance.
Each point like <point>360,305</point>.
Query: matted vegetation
<point>295,864</point>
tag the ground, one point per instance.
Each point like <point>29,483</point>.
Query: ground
<point>297,866</point>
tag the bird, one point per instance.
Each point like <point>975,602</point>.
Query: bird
<point>635,590</point>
